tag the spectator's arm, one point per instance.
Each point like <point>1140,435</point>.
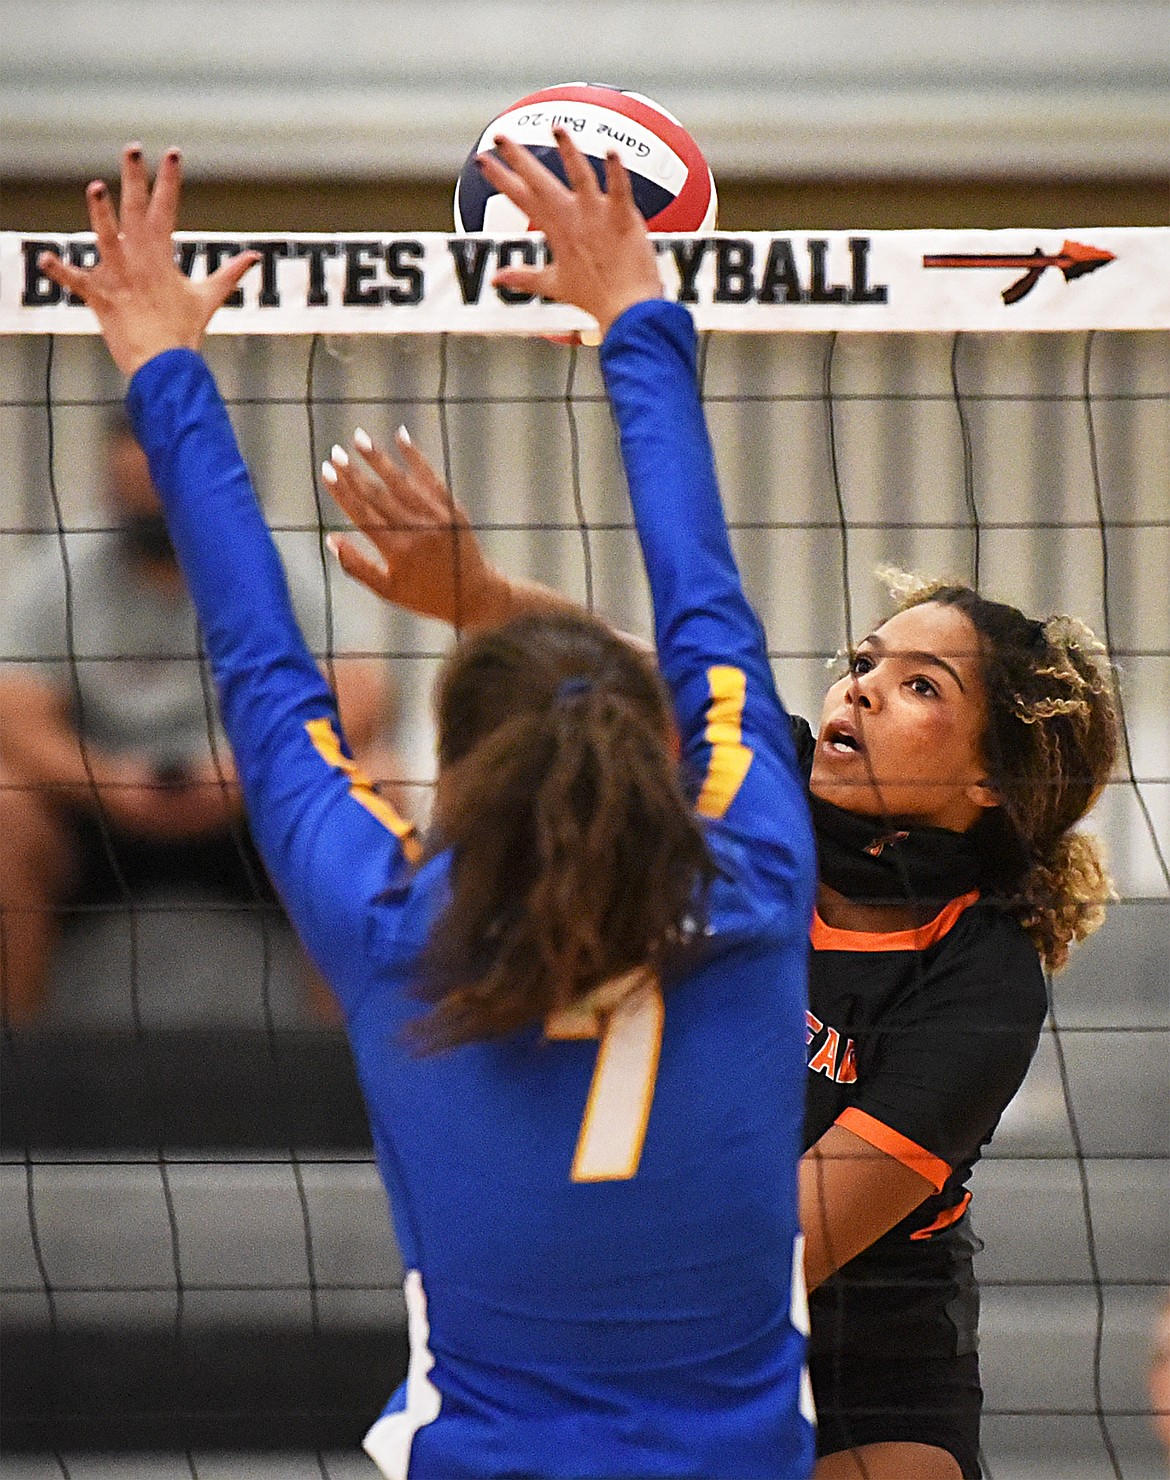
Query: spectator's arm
<point>40,745</point>
<point>40,748</point>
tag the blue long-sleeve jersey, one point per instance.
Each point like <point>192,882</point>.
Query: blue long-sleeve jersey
<point>598,1218</point>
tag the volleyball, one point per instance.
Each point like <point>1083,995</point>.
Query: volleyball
<point>672,183</point>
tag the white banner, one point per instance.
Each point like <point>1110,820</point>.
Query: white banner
<point>881,281</point>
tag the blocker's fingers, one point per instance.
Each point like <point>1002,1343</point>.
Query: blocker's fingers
<point>506,181</point>
<point>226,278</point>
<point>135,185</point>
<point>617,184</point>
<point>544,185</point>
<point>578,171</point>
<point>540,281</point>
<point>102,219</point>
<point>163,210</point>
<point>72,279</point>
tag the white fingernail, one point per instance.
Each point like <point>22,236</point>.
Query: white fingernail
<point>339,456</point>
<point>328,472</point>
<point>333,547</point>
<point>404,437</point>
<point>362,439</point>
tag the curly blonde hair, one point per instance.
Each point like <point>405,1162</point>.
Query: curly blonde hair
<point>1050,744</point>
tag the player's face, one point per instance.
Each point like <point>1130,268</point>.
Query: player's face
<point>901,733</point>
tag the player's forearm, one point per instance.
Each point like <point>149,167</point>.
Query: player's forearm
<point>648,359</point>
<point>850,1194</point>
<point>266,677</point>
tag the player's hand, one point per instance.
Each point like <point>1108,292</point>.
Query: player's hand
<point>143,303</point>
<point>602,258</point>
<point>431,562</point>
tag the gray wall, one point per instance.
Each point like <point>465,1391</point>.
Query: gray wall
<point>796,88</point>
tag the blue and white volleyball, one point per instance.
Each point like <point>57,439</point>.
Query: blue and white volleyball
<point>672,183</point>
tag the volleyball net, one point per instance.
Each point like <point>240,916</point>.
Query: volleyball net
<point>195,1251</point>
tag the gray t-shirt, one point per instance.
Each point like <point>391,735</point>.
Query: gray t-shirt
<point>141,685</point>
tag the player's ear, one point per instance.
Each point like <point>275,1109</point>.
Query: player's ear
<point>983,794</point>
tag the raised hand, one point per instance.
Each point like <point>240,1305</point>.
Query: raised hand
<point>431,560</point>
<point>143,303</point>
<point>602,258</point>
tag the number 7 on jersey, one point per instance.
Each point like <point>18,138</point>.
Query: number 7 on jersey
<point>617,1110</point>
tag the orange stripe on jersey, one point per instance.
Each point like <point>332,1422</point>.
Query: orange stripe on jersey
<point>328,747</point>
<point>833,938</point>
<point>894,1144</point>
<point>730,757</point>
<point>945,1218</point>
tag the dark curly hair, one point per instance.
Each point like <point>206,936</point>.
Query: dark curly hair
<point>1050,744</point>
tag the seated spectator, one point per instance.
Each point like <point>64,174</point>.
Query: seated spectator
<point>115,775</point>
<point>1159,1380</point>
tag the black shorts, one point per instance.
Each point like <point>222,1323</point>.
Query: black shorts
<point>885,1402</point>
<point>110,864</point>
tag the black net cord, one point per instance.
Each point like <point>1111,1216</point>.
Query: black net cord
<point>264,910</point>
<point>444,403</point>
<point>45,1284</point>
<point>842,524</point>
<point>1090,1236</point>
<point>1106,604</point>
<point>575,475</point>
<point>50,1304</point>
<point>127,905</point>
<point>968,465</point>
<point>1130,776</point>
<point>269,1022</point>
<point>830,423</point>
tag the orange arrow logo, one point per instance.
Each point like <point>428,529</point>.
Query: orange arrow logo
<point>1074,260</point>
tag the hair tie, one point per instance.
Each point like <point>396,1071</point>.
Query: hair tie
<point>572,688</point>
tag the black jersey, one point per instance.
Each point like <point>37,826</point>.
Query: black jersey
<point>917,1041</point>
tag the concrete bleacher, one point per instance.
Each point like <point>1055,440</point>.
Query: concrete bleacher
<point>218,1000</point>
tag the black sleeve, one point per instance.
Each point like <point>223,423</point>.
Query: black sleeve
<point>953,1048</point>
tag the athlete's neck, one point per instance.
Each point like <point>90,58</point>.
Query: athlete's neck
<point>878,919</point>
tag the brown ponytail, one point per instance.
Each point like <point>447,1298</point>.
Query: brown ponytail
<point>575,855</point>
<point>1050,745</point>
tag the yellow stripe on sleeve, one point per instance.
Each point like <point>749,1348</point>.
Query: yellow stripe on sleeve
<point>730,757</point>
<point>328,747</point>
